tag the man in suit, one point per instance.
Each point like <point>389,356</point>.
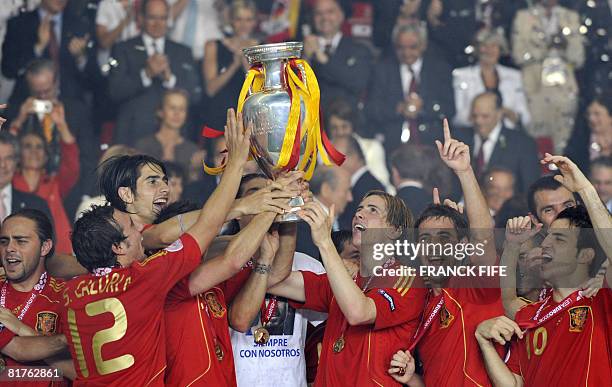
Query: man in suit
<point>12,200</point>
<point>362,181</point>
<point>342,65</point>
<point>409,172</point>
<point>495,145</point>
<point>601,176</point>
<point>497,185</point>
<point>48,32</point>
<point>330,186</point>
<point>147,66</point>
<point>411,92</point>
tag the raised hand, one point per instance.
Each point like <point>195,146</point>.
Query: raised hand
<point>402,367</point>
<point>454,153</point>
<point>520,229</point>
<point>272,198</point>
<point>237,138</point>
<point>44,33</point>
<point>571,177</point>
<point>320,223</point>
<point>447,202</point>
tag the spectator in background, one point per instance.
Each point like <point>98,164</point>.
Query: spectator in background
<point>116,21</point>
<point>341,120</point>
<point>32,175</point>
<point>195,22</point>
<point>388,14</point>
<point>362,181</point>
<point>201,185</point>
<point>147,66</point>
<point>489,75</point>
<point>176,180</point>
<point>12,199</point>
<point>61,115</point>
<point>168,144</point>
<point>410,93</point>
<point>48,32</point>
<point>592,138</point>
<point>494,145</point>
<point>410,169</point>
<point>547,45</point>
<point>453,24</point>
<point>225,65</point>
<point>497,186</point>
<point>330,186</point>
<point>342,65</point>
<point>601,176</point>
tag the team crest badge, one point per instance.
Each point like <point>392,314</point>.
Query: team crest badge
<point>46,322</point>
<point>578,317</point>
<point>214,306</point>
<point>446,318</point>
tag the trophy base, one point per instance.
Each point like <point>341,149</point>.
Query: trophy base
<point>291,217</point>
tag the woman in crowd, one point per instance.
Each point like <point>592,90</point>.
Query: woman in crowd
<point>224,64</point>
<point>489,75</point>
<point>167,143</point>
<point>548,47</point>
<point>341,122</point>
<point>593,136</point>
<point>32,177</point>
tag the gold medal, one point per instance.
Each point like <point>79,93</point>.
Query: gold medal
<point>261,336</point>
<point>338,344</point>
<point>219,351</point>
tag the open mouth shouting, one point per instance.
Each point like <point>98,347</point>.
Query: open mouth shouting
<point>159,204</point>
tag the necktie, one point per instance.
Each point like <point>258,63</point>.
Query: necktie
<point>480,161</point>
<point>53,46</point>
<point>3,213</point>
<point>47,126</point>
<point>413,123</point>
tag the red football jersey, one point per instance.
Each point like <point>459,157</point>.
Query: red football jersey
<point>191,356</point>
<point>43,316</point>
<point>449,350</point>
<point>115,323</point>
<point>573,348</point>
<point>368,349</point>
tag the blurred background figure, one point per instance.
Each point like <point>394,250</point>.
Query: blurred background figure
<point>225,64</point>
<point>548,47</point>
<point>498,186</point>
<point>410,181</point>
<point>341,120</point>
<point>601,177</point>
<point>176,181</point>
<point>116,21</point>
<point>488,75</point>
<point>168,143</point>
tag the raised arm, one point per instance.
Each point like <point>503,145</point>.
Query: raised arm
<point>240,249</point>
<point>248,301</point>
<point>356,306</point>
<point>212,216</point>
<point>456,155</point>
<point>518,231</point>
<point>574,180</point>
<point>499,329</point>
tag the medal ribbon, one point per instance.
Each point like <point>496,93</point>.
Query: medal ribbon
<point>38,288</point>
<point>537,321</point>
<point>212,327</point>
<point>268,311</point>
<point>422,329</point>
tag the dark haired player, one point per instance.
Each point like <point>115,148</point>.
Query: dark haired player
<point>565,339</point>
<point>445,341</point>
<point>28,295</point>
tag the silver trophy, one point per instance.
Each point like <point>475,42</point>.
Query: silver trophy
<point>268,110</point>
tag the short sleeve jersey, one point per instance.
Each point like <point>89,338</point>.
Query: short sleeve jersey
<point>44,316</point>
<point>449,350</point>
<point>368,349</point>
<point>115,323</point>
<point>573,348</point>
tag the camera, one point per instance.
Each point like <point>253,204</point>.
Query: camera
<point>41,106</point>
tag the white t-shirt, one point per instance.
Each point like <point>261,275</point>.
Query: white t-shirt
<point>281,361</point>
<point>110,14</point>
<point>197,24</point>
